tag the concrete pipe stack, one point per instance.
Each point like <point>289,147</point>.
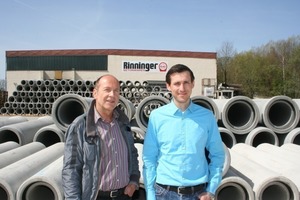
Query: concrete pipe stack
<point>36,97</point>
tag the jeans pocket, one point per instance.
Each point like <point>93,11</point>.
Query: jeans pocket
<point>159,191</point>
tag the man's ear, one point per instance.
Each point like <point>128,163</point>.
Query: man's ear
<point>94,92</point>
<point>168,86</point>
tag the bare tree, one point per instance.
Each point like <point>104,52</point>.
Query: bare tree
<point>225,55</point>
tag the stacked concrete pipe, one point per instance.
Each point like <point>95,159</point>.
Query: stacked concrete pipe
<point>234,187</point>
<point>239,114</point>
<point>12,120</point>
<point>208,103</point>
<point>69,106</point>
<point>13,175</point>
<point>45,184</point>
<point>293,136</point>
<point>273,163</point>
<point>19,153</point>
<point>145,107</point>
<point>279,113</point>
<point>266,184</point>
<point>49,135</point>
<point>23,132</point>
<point>6,146</point>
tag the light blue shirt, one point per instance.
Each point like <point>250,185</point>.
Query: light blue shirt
<point>174,148</point>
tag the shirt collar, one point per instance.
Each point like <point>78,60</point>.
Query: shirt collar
<point>97,116</point>
<point>174,108</point>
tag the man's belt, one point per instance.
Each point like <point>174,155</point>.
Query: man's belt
<point>111,194</point>
<point>183,190</point>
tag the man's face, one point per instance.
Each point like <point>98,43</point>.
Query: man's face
<point>107,94</point>
<point>181,87</point>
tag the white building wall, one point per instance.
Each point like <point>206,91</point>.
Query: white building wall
<point>202,68</point>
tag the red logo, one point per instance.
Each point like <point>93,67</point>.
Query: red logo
<point>162,66</point>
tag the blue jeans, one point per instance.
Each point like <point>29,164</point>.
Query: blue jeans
<point>163,194</point>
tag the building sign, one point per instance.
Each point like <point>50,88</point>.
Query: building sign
<point>137,66</point>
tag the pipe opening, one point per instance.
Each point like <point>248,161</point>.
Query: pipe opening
<point>232,191</point>
<point>227,139</point>
<point>3,193</point>
<point>297,140</point>
<point>38,191</point>
<point>48,138</point>
<point>240,114</point>
<point>8,135</point>
<point>263,137</point>
<point>281,113</point>
<point>276,191</point>
<point>68,110</point>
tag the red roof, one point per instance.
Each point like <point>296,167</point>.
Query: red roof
<point>123,52</point>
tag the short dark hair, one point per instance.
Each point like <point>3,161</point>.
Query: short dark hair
<point>178,68</point>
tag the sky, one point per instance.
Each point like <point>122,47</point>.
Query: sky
<point>175,25</point>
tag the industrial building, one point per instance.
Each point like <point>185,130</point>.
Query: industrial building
<point>126,65</point>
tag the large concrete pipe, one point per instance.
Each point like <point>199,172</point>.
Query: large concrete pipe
<point>138,134</point>
<point>293,136</point>
<point>6,146</point>
<point>45,184</point>
<point>127,107</point>
<point>12,176</point>
<point>19,153</point>
<point>139,148</point>
<point>239,114</point>
<point>67,107</point>
<point>279,113</point>
<point>280,153</point>
<point>208,103</point>
<point>291,147</point>
<point>227,136</point>
<point>23,132</point>
<point>145,107</point>
<point>12,120</point>
<point>266,184</point>
<point>49,135</point>
<point>261,135</point>
<point>234,187</point>
<point>287,169</point>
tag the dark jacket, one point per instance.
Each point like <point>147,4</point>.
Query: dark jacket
<point>80,173</point>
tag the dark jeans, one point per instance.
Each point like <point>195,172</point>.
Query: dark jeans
<point>163,194</point>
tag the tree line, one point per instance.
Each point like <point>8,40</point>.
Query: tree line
<point>270,70</point>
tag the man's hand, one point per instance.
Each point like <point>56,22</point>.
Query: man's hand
<point>130,189</point>
<point>206,196</point>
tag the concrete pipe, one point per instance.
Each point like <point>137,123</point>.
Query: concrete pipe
<point>234,187</point>
<point>291,147</point>
<point>12,120</point>
<point>227,136</point>
<point>227,160</point>
<point>45,184</point>
<point>67,107</point>
<point>266,184</point>
<point>293,136</point>
<point>239,114</point>
<point>19,153</point>
<point>139,148</point>
<point>287,169</point>
<point>208,103</point>
<point>145,107</point>
<point>12,176</point>
<point>280,153</point>
<point>279,113</point>
<point>49,135</point>
<point>261,135</point>
<point>23,132</point>
<point>127,107</point>
<point>6,146</point>
<point>3,110</point>
<point>138,134</point>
